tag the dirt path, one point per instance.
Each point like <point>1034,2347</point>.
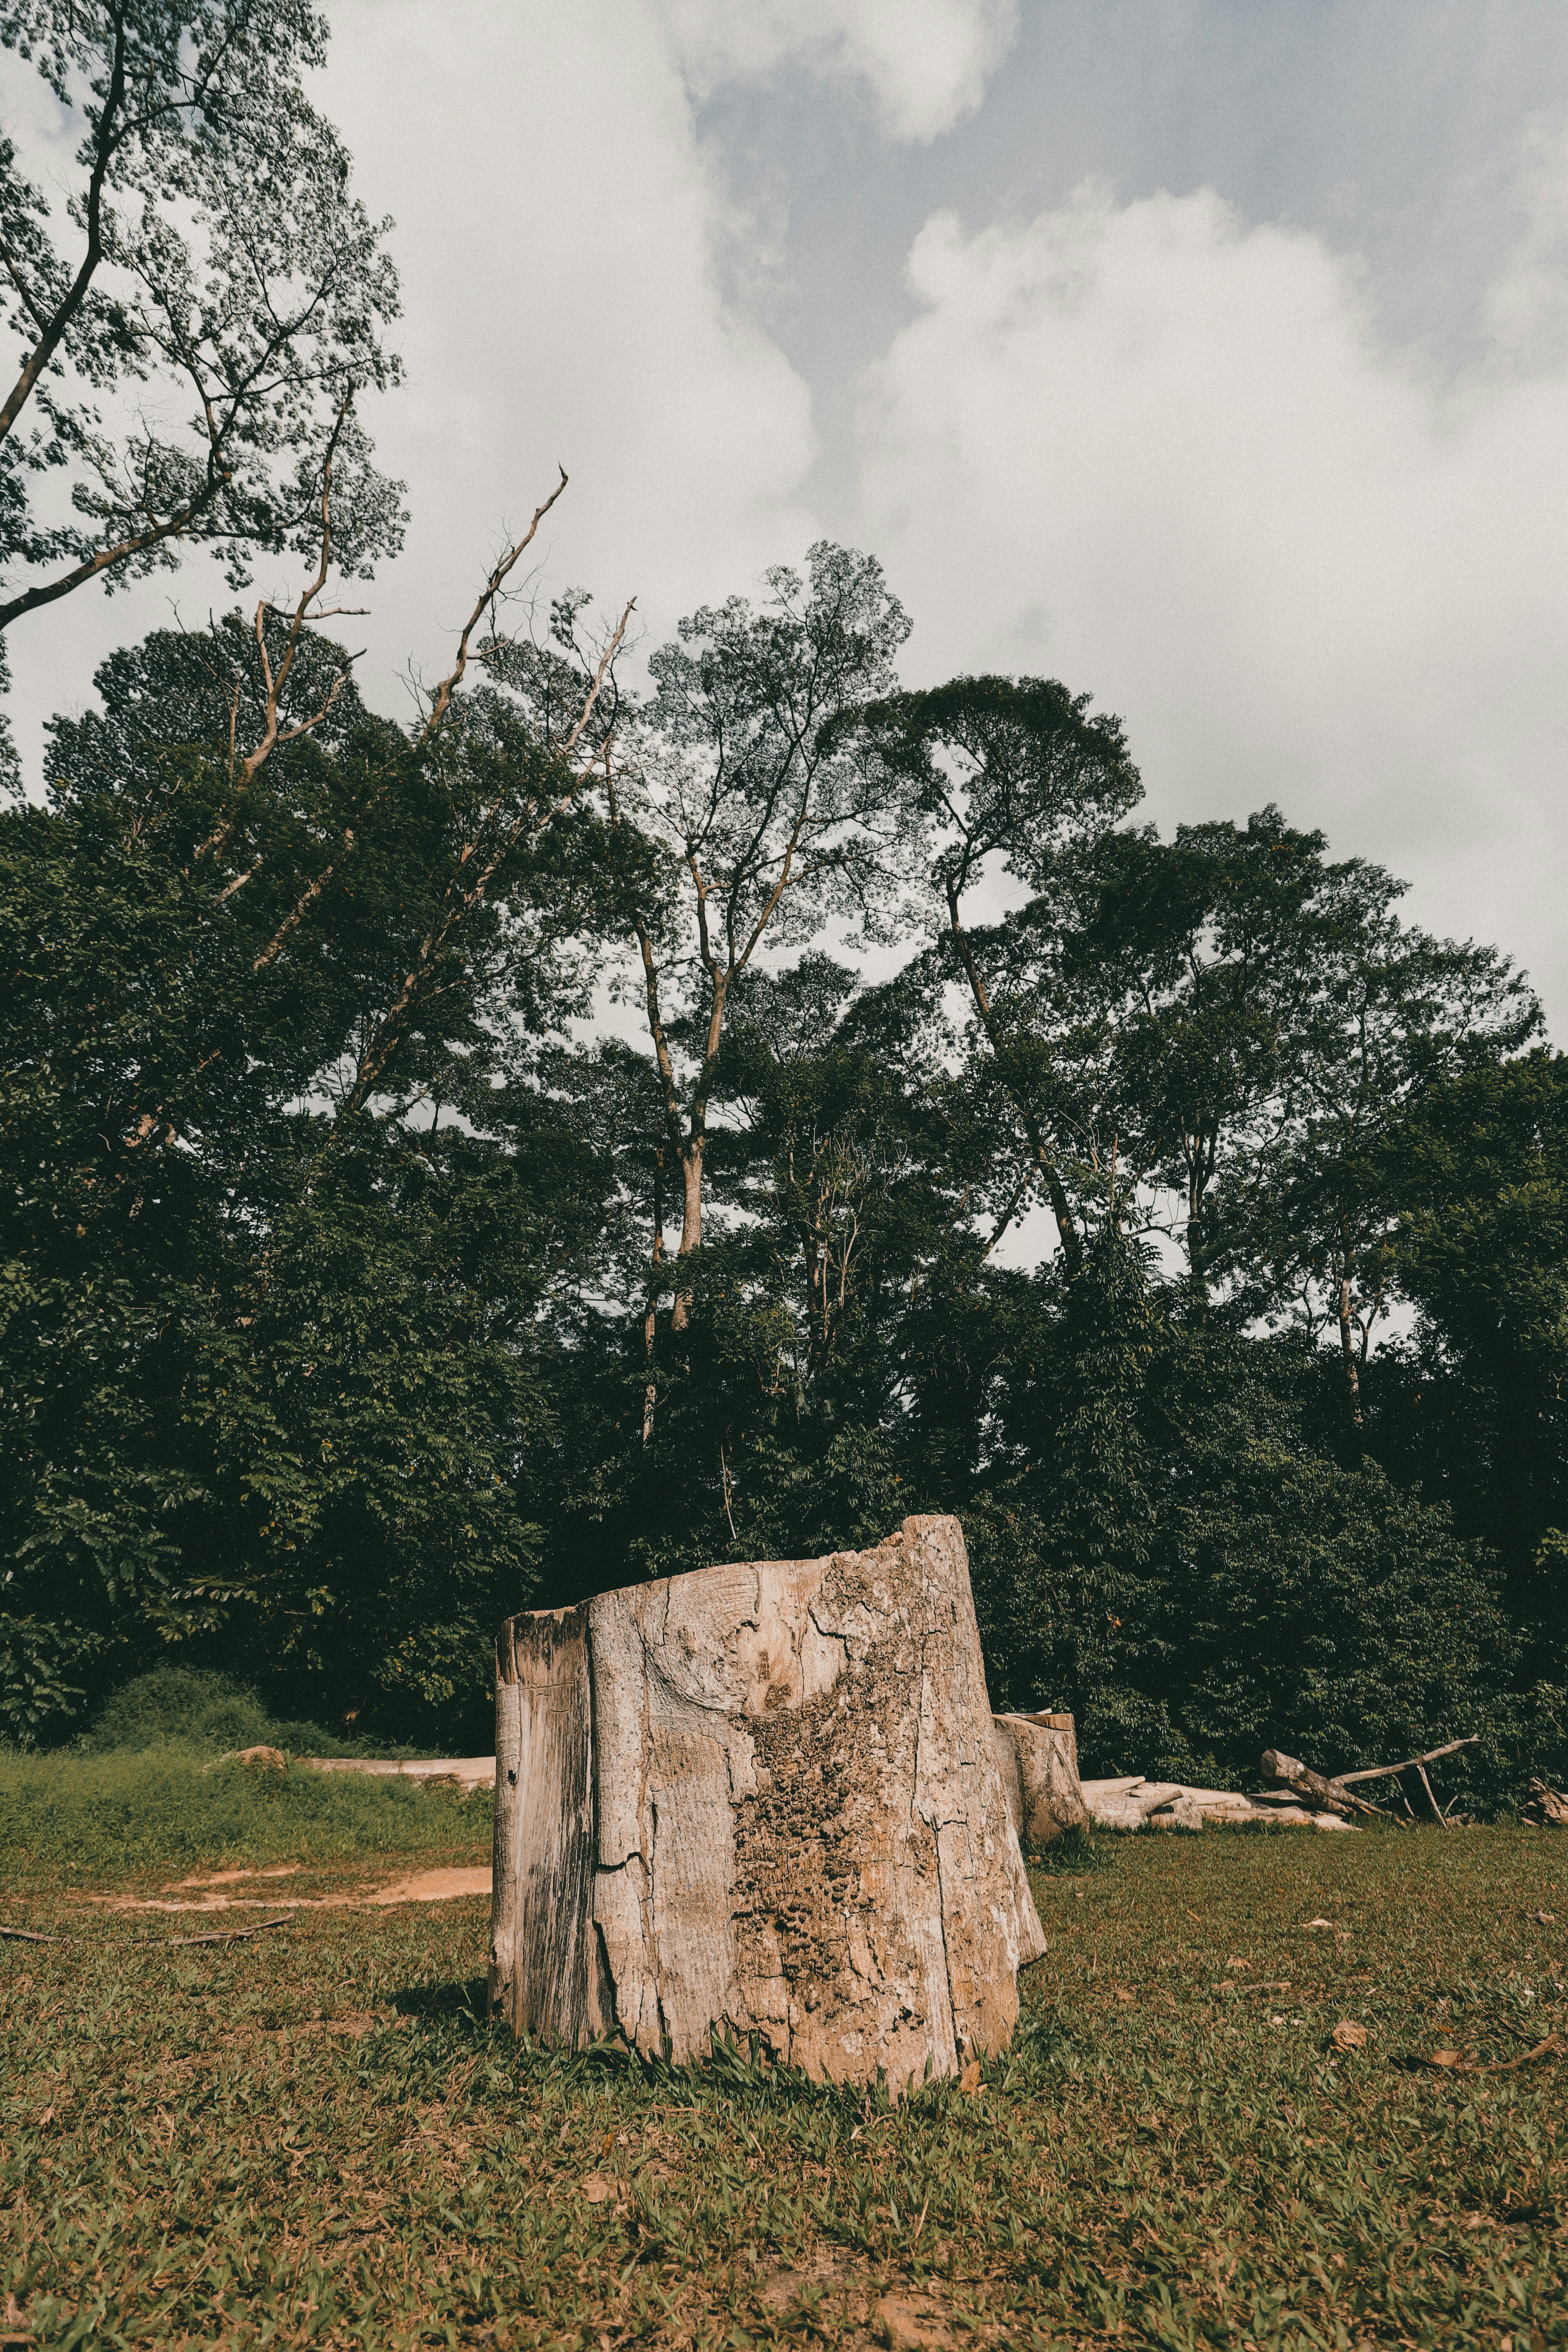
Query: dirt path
<point>210,1892</point>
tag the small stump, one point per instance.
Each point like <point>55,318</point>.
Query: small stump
<point>762,1800</point>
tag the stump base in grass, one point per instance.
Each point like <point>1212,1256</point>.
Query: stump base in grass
<point>762,1800</point>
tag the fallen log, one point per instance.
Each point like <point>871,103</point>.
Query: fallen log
<point>1130,1804</point>
<point>463,1772</point>
<point>762,1798</point>
<point>1330,1794</point>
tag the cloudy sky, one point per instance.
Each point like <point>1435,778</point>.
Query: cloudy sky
<point>1209,356</point>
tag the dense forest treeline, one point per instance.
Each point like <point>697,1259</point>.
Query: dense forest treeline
<point>360,1290</point>
<point>585,1134</point>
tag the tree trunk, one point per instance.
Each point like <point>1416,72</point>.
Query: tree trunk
<point>762,1798</point>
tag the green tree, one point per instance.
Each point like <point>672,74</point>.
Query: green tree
<point>215,264</point>
<point>738,816</point>
<point>1013,775</point>
<point>271,1358</point>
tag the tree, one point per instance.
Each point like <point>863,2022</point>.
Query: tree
<point>219,288</point>
<point>1015,775</point>
<point>740,817</point>
<point>270,1354</point>
<point>1476,1172</point>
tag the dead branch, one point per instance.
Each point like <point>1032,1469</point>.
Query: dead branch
<point>441,700</point>
<point>162,1943</point>
<point>311,892</point>
<point>1389,1772</point>
<point>460,902</point>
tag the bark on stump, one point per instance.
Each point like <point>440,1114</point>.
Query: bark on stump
<point>762,1798</point>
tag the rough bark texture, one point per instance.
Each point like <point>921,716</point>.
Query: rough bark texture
<point>784,1775</point>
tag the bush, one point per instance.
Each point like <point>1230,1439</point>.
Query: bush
<point>183,1707</point>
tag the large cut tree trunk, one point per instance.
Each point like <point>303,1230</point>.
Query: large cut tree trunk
<point>762,1798</point>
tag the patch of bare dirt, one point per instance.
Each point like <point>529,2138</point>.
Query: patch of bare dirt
<point>842,2288</point>
<point>416,1886</point>
<point>231,1877</point>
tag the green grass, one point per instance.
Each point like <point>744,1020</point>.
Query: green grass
<point>98,1821</point>
<point>315,2139</point>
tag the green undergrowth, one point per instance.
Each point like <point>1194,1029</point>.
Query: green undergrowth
<point>190,1706</point>
<point>97,1820</point>
<point>316,2137</point>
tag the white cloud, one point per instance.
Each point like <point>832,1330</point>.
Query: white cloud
<point>561,304</point>
<point>924,62</point>
<point>1161,455</point>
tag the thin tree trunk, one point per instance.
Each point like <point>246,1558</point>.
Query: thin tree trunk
<point>1347,1350</point>
<point>1055,1192</point>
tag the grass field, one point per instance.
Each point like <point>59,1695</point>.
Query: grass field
<point>94,1820</point>
<point>315,2139</point>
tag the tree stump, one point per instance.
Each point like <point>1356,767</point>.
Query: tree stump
<point>1037,1757</point>
<point>765,1800</point>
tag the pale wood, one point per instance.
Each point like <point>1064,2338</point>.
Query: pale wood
<point>1388,1771</point>
<point>1308,1783</point>
<point>784,1816</point>
<point>543,1975</point>
<point>1130,1804</point>
<point>463,1772</point>
<point>1037,1755</point>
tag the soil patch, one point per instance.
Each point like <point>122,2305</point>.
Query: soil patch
<point>408,1886</point>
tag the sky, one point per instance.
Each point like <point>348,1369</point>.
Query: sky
<point>1208,356</point>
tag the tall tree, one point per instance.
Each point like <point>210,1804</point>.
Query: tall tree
<point>736,817</point>
<point>213,287</point>
<point>1013,774</point>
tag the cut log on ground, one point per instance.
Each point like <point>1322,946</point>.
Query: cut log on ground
<point>762,1800</point>
<point>1315,1789</point>
<point>1130,1804</point>
<point>1037,1757</point>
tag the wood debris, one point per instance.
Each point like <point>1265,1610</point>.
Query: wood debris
<point>1544,1808</point>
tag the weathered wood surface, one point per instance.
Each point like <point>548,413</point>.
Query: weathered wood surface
<point>788,1787</point>
<point>544,1964</point>
<point>1389,1772</point>
<point>463,1772</point>
<point>1037,1757</point>
<point>1332,1795</point>
<point>1131,1803</point>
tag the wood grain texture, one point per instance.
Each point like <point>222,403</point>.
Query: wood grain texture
<point>800,1826</point>
<point>543,1960</point>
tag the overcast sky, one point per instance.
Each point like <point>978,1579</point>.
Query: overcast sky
<point>1210,356</point>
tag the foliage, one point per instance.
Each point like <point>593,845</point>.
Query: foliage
<point>215,264</point>
<point>93,1819</point>
<point>338,1314</point>
<point>272,1360</point>
<point>192,1707</point>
